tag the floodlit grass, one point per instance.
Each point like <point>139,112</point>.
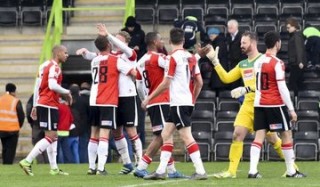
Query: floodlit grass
<point>13,175</point>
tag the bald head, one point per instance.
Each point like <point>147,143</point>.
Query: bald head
<point>59,53</point>
<point>232,26</point>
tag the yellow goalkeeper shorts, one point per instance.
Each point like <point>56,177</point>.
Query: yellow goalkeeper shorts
<point>245,116</point>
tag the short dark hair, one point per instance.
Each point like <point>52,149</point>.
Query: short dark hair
<point>101,43</point>
<point>10,87</point>
<point>293,22</point>
<point>251,35</point>
<point>150,37</point>
<point>176,36</point>
<point>271,38</point>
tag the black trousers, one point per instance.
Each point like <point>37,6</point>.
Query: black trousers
<point>9,145</point>
<point>295,79</point>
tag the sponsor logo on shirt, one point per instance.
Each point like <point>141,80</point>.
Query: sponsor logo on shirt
<point>275,126</point>
<point>247,74</point>
<point>106,123</point>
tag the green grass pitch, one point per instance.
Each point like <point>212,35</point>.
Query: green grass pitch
<point>13,176</point>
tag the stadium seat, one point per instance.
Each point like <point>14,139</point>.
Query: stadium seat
<point>9,12</point>
<point>243,15</point>
<point>261,47</point>
<point>168,11</point>
<point>312,17</point>
<point>216,16</point>
<point>203,115</point>
<point>193,8</point>
<point>218,4</point>
<point>224,126</point>
<point>306,145</point>
<point>311,85</point>
<point>261,29</point>
<point>222,142</point>
<point>32,12</point>
<point>307,125</point>
<point>205,105</point>
<point>272,5</point>
<point>207,95</point>
<point>226,115</point>
<point>307,115</point>
<point>145,11</point>
<point>244,27</point>
<point>226,102</point>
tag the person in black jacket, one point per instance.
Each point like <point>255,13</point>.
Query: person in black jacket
<point>235,54</point>
<point>137,36</point>
<point>217,39</point>
<point>296,55</point>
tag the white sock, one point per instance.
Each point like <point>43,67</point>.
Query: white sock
<point>289,158</point>
<point>52,154</point>
<point>38,148</point>
<point>137,147</point>
<point>144,162</point>
<point>193,150</point>
<point>92,152</point>
<point>122,147</point>
<point>170,167</point>
<point>255,151</point>
<point>102,153</point>
<point>166,152</point>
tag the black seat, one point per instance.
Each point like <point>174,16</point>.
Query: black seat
<point>272,4</point>
<point>9,12</point>
<point>193,8</point>
<point>226,102</point>
<point>205,105</point>
<point>307,115</point>
<point>218,4</point>
<point>216,16</point>
<point>306,145</point>
<point>168,11</point>
<point>221,147</point>
<point>243,15</point>
<point>261,47</point>
<point>307,125</point>
<point>261,29</point>
<point>226,115</point>
<point>207,95</point>
<point>32,12</point>
<point>224,126</point>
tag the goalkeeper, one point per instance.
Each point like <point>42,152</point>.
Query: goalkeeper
<point>243,123</point>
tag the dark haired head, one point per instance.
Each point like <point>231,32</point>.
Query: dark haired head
<point>176,36</point>
<point>10,87</point>
<point>251,35</point>
<point>271,38</point>
<point>101,43</point>
<point>293,22</point>
<point>150,38</point>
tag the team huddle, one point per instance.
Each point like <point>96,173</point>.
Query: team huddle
<point>168,87</point>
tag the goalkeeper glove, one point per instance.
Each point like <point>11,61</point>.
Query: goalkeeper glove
<point>240,91</point>
<point>213,56</point>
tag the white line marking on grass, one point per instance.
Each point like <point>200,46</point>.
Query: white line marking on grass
<point>163,182</point>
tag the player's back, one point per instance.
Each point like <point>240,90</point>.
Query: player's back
<point>269,70</point>
<point>105,74</point>
<point>151,71</point>
<point>183,68</point>
<point>47,97</point>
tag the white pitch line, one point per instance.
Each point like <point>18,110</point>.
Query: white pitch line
<point>163,182</point>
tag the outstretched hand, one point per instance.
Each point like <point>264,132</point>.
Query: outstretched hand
<point>202,51</point>
<point>102,29</point>
<point>82,51</point>
<point>213,55</point>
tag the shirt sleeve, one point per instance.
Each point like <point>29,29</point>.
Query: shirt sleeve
<point>228,77</point>
<point>280,71</point>
<point>20,113</point>
<point>89,55</point>
<point>162,61</point>
<point>130,53</point>
<point>124,67</point>
<point>171,67</point>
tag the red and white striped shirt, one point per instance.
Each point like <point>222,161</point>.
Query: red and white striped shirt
<point>150,70</point>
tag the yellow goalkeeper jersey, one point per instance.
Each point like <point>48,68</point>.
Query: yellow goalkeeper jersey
<point>243,70</point>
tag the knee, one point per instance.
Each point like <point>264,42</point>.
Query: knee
<point>238,136</point>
